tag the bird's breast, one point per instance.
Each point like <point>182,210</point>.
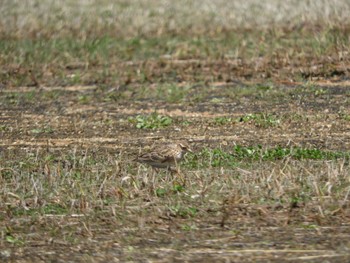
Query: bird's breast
<point>178,156</point>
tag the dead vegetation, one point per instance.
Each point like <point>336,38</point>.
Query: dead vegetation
<point>263,101</point>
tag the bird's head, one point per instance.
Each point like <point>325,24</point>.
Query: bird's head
<point>185,147</point>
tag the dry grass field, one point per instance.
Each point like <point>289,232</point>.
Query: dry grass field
<point>259,90</point>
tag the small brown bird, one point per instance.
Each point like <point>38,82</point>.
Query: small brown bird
<point>165,156</point>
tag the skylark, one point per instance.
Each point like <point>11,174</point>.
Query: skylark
<point>165,156</point>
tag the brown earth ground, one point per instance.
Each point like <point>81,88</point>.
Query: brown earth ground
<point>235,232</point>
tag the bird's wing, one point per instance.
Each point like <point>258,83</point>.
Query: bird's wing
<point>152,157</point>
<point>168,155</point>
<point>162,155</point>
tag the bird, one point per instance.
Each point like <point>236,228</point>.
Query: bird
<point>165,156</point>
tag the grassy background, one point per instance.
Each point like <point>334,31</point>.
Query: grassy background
<point>130,19</point>
<point>259,89</point>
<point>67,43</point>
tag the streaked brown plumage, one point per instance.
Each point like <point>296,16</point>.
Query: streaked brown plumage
<point>165,156</point>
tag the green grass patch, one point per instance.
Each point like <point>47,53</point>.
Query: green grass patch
<point>222,120</point>
<point>73,61</point>
<point>54,209</point>
<point>46,129</point>
<point>258,153</point>
<point>184,212</point>
<point>48,209</point>
<point>263,120</point>
<point>344,116</point>
<point>14,240</point>
<point>172,93</point>
<point>239,154</point>
<point>152,121</point>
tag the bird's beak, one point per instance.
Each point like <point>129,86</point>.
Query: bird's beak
<point>190,150</point>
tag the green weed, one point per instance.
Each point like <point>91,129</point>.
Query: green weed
<point>45,129</point>
<point>160,192</point>
<point>4,128</point>
<point>14,240</point>
<point>172,93</point>
<point>222,120</point>
<point>84,99</point>
<point>153,121</point>
<point>344,116</point>
<point>188,227</point>
<point>221,158</point>
<point>261,119</point>
<point>183,212</point>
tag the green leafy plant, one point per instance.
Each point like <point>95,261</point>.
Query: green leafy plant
<point>222,120</point>
<point>13,240</point>
<point>153,121</point>
<point>160,192</point>
<point>46,129</point>
<point>261,119</point>
<point>344,116</point>
<point>184,212</point>
<point>55,209</point>
<point>172,92</point>
<point>178,188</point>
<point>221,158</point>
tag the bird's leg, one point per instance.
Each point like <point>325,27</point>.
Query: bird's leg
<point>179,174</point>
<point>153,179</point>
<point>177,167</point>
<point>154,172</point>
<point>182,178</point>
<point>155,169</point>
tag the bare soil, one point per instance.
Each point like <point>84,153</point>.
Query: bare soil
<point>237,232</point>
